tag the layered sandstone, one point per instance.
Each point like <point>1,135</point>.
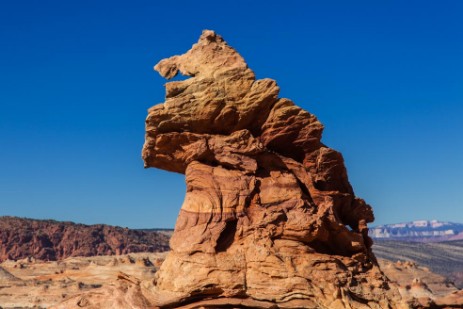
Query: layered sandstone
<point>126,282</point>
<point>269,218</point>
<point>420,287</point>
<point>52,240</point>
<point>78,281</point>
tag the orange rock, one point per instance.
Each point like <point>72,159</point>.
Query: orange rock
<point>269,216</point>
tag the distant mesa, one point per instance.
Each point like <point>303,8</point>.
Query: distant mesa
<point>51,240</point>
<point>421,231</point>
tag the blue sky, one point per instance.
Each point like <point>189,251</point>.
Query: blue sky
<point>76,79</point>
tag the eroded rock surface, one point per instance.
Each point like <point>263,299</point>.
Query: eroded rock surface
<point>421,288</point>
<point>269,218</point>
<point>121,282</point>
<point>80,282</point>
<point>51,240</point>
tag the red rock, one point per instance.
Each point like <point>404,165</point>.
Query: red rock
<point>52,240</point>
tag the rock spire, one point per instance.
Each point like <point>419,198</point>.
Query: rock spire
<point>269,218</point>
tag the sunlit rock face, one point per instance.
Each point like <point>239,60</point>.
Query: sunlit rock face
<point>269,218</point>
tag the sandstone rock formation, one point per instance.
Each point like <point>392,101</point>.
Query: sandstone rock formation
<point>132,285</point>
<point>78,281</point>
<point>420,287</point>
<point>269,218</point>
<point>126,282</point>
<point>53,240</point>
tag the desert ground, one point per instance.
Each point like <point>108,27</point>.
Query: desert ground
<point>30,283</point>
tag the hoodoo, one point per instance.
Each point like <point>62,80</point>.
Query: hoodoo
<point>269,219</point>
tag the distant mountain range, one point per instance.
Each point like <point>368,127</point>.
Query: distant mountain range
<point>420,231</point>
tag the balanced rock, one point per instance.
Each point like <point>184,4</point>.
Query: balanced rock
<point>269,218</point>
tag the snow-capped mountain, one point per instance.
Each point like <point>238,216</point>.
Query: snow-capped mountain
<point>421,230</point>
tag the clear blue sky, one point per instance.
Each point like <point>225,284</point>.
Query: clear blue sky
<point>76,79</point>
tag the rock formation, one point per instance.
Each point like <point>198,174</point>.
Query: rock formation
<point>269,218</point>
<point>420,287</point>
<point>52,240</point>
<point>93,282</point>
